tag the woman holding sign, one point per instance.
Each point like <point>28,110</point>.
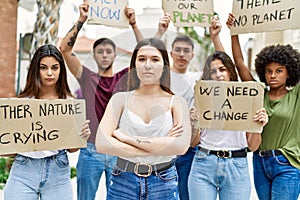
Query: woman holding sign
<point>146,128</point>
<point>44,174</point>
<point>276,164</point>
<point>220,166</point>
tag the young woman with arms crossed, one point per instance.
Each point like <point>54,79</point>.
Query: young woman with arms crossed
<point>146,128</point>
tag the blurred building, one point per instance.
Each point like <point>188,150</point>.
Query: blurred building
<point>8,12</point>
<point>147,16</point>
<point>260,40</point>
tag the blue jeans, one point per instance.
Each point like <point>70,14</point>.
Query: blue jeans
<point>90,167</point>
<point>211,176</point>
<point>44,178</point>
<point>129,186</point>
<point>275,178</point>
<point>183,167</point>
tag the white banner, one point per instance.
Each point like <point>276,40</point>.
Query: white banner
<point>265,15</point>
<point>108,12</point>
<point>189,13</point>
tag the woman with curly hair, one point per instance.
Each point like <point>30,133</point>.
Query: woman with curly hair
<point>276,164</point>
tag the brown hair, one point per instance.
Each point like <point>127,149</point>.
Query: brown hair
<point>33,82</point>
<point>227,62</point>
<point>133,81</point>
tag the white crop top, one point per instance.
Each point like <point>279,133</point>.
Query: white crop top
<point>159,126</point>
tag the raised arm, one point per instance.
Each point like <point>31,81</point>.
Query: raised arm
<point>243,70</point>
<point>130,13</point>
<point>163,25</point>
<point>69,40</point>
<point>214,31</point>
<point>165,145</point>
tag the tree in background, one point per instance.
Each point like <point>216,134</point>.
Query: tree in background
<point>205,43</point>
<point>5,165</point>
<point>46,25</point>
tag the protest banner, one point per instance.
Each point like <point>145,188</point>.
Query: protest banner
<point>189,13</point>
<point>39,124</point>
<point>108,12</point>
<point>254,16</point>
<point>229,105</point>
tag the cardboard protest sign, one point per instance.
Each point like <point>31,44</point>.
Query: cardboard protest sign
<point>189,13</point>
<point>265,15</point>
<point>108,12</point>
<point>36,124</point>
<point>229,105</point>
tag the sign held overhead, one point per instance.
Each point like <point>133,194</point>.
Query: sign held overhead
<point>189,13</point>
<point>254,16</point>
<point>108,13</point>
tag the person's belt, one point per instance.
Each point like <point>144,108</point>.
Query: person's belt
<point>140,169</point>
<point>225,153</point>
<point>265,153</point>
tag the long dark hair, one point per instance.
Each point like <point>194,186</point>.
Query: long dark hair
<point>227,62</point>
<point>134,81</point>
<point>33,82</point>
